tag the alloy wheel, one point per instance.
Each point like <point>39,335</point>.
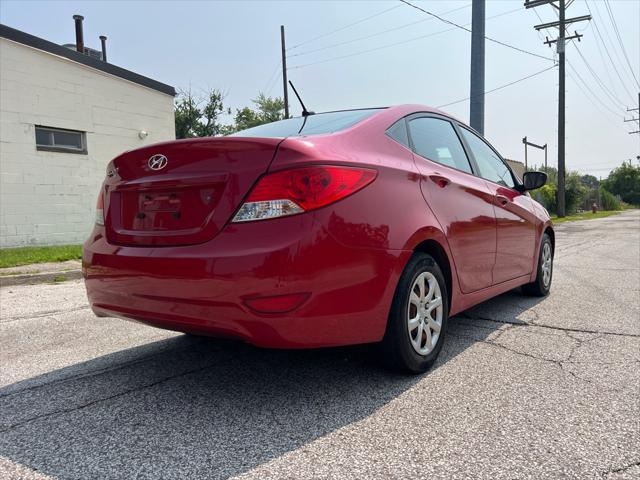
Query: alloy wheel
<point>546,264</point>
<point>424,313</point>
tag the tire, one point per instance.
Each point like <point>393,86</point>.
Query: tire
<point>542,284</point>
<point>401,348</point>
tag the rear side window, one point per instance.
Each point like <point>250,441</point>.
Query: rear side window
<point>398,131</point>
<point>317,124</point>
<point>491,166</point>
<point>436,140</point>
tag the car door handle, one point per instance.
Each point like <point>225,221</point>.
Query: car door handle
<point>440,180</point>
<point>502,200</point>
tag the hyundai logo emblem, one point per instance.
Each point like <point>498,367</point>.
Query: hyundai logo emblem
<point>157,162</point>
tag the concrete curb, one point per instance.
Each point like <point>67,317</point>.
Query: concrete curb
<point>44,277</point>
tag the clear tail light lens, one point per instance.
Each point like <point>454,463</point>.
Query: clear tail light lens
<point>303,189</point>
<point>100,208</point>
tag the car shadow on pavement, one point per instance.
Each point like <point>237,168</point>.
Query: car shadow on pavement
<point>194,407</point>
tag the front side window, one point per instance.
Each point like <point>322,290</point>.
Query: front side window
<point>436,140</point>
<point>491,166</point>
<point>59,140</point>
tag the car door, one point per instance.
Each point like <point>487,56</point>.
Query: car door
<point>514,211</point>
<point>461,202</point>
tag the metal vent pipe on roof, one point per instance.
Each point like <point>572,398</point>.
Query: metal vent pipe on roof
<point>79,33</point>
<point>103,41</point>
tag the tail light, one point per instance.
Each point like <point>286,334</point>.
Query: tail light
<point>100,208</point>
<point>299,190</point>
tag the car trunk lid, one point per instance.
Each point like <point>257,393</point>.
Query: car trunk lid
<point>181,192</point>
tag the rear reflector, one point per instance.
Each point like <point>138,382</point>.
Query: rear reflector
<point>100,208</point>
<point>276,304</point>
<point>299,190</point>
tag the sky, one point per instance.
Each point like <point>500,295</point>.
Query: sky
<point>351,54</point>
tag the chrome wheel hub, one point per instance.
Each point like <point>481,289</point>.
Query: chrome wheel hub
<point>547,264</point>
<point>424,313</point>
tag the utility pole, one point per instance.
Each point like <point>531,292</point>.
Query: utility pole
<point>634,119</point>
<point>541,147</point>
<point>561,25</point>
<point>284,73</point>
<point>476,112</point>
<point>561,108</point>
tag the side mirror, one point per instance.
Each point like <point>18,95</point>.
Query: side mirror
<point>533,180</point>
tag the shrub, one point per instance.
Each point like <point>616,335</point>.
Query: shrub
<point>608,201</point>
<point>625,181</point>
<point>575,192</point>
<point>546,195</point>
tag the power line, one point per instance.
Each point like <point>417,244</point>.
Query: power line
<point>275,71</point>
<point>402,42</point>
<point>615,69</point>
<point>273,81</point>
<point>617,32</point>
<point>372,49</point>
<point>344,27</point>
<point>366,37</point>
<point>500,87</point>
<point>600,49</point>
<point>518,49</point>
<point>586,85</point>
<point>613,98</point>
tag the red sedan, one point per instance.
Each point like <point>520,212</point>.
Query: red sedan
<point>337,228</point>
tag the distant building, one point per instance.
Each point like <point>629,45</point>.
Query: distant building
<point>516,166</point>
<point>63,116</point>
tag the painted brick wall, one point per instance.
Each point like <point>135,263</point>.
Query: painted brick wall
<point>49,197</point>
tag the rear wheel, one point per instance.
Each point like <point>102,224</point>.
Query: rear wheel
<point>418,318</point>
<point>542,284</point>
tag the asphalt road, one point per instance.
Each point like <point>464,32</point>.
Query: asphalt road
<point>524,388</point>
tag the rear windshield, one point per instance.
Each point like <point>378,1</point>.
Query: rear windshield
<point>316,124</point>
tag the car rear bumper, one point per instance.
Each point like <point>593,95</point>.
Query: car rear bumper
<point>203,288</point>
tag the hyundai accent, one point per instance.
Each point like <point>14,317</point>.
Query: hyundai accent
<point>338,228</point>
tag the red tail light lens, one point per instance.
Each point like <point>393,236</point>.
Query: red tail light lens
<point>300,190</point>
<point>100,208</point>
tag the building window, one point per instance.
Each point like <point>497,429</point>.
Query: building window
<point>60,140</point>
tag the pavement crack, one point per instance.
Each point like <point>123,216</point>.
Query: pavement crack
<point>550,327</point>
<point>99,371</point>
<point>620,469</point>
<point>45,314</point>
<point>104,399</point>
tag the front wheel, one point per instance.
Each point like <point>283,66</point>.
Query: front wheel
<point>542,284</point>
<point>418,318</point>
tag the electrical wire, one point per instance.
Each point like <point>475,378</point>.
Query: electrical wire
<point>620,42</point>
<point>518,49</point>
<point>501,86</point>
<point>402,42</point>
<point>586,85</point>
<point>366,37</point>
<point>608,92</point>
<point>615,69</point>
<point>344,27</point>
<point>275,71</point>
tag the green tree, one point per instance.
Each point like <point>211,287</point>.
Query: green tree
<point>187,114</point>
<point>589,181</point>
<point>266,110</point>
<point>199,117</point>
<point>575,192</point>
<point>625,181</point>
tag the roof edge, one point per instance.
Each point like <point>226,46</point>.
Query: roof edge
<point>55,49</point>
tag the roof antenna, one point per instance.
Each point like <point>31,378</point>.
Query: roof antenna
<point>305,112</point>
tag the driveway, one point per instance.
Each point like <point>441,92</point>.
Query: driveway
<point>524,388</point>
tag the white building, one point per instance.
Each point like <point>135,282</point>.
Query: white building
<point>63,116</point>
